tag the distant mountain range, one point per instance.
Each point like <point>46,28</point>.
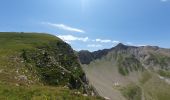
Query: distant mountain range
<point>129,72</point>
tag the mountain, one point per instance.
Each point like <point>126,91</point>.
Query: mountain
<point>37,66</point>
<point>86,57</point>
<point>129,72</point>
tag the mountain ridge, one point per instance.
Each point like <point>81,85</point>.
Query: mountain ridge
<point>123,69</point>
<point>99,53</point>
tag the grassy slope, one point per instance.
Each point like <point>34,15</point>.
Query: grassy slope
<point>10,50</point>
<point>35,92</point>
<point>13,67</point>
<point>156,89</point>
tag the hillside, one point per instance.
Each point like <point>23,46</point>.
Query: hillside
<point>128,72</point>
<point>36,66</point>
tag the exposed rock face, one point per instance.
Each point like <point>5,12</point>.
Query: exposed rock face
<point>86,57</point>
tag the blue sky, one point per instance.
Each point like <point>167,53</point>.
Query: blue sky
<point>91,24</point>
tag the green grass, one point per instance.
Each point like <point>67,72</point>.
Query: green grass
<point>156,89</point>
<point>151,88</point>
<point>38,53</point>
<point>17,41</point>
<point>11,92</point>
<point>146,76</point>
<point>128,63</point>
<point>37,57</point>
<point>11,48</point>
<point>132,92</point>
<point>164,73</point>
<point>13,43</point>
<point>159,59</point>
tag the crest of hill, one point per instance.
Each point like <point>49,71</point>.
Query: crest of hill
<point>28,59</point>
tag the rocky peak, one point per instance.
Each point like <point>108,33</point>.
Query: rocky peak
<point>121,46</point>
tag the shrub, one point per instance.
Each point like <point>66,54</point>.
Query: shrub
<point>132,92</point>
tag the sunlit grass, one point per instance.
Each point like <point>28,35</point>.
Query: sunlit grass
<point>11,92</point>
<point>12,65</point>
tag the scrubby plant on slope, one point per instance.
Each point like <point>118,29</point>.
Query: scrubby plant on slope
<point>128,63</point>
<point>158,59</point>
<point>56,64</point>
<point>164,73</point>
<point>132,92</point>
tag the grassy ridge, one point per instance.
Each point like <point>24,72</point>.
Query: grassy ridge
<point>18,41</point>
<point>39,53</point>
<point>28,61</point>
<point>11,63</point>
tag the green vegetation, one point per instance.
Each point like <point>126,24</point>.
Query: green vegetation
<point>159,59</point>
<point>164,73</point>
<point>10,92</point>
<point>43,54</point>
<point>128,63</point>
<point>156,89</point>
<point>132,92</point>
<point>12,66</point>
<point>32,60</point>
<point>146,76</point>
<point>56,64</point>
